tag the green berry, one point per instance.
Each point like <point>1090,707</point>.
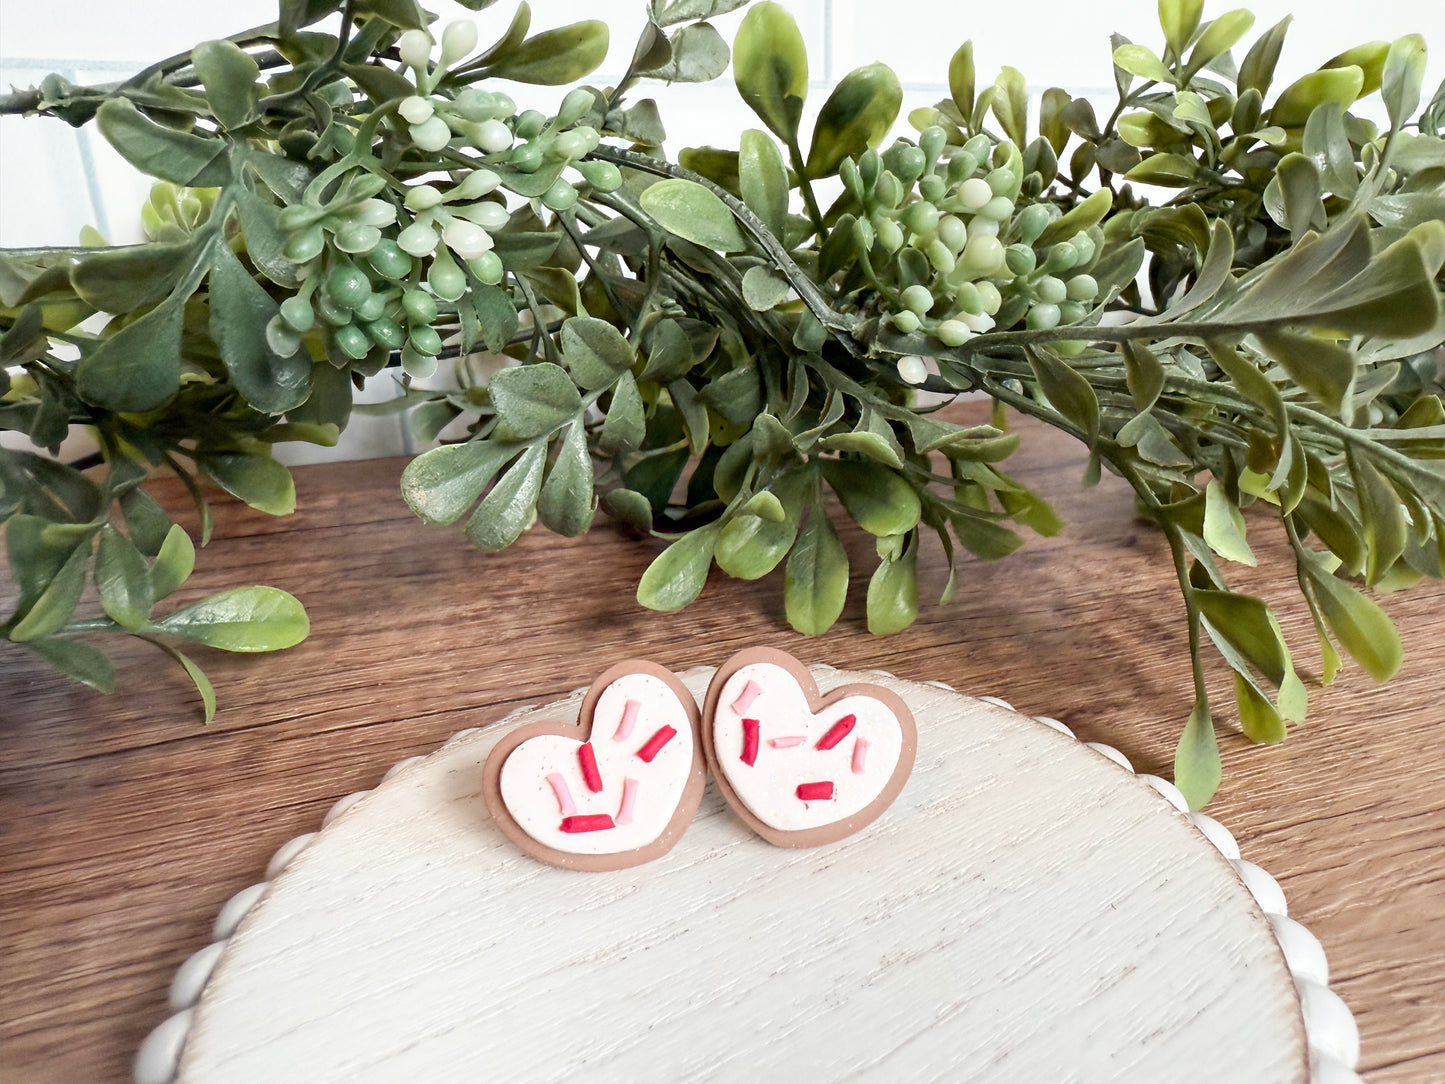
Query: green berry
<point>603,176</point>
<point>389,261</point>
<point>931,141</point>
<point>281,338</point>
<point>530,123</point>
<point>961,167</point>
<point>921,217</point>
<point>487,267</point>
<point>978,147</point>
<point>968,299</point>
<point>917,298</point>
<point>940,257</point>
<point>974,193</point>
<point>305,245</point>
<point>1000,209</point>
<point>1002,182</point>
<point>425,340</point>
<point>387,333</point>
<point>1084,246</point>
<point>1083,288</point>
<point>890,235</point>
<point>906,162</point>
<point>989,297</point>
<point>371,308</point>
<point>560,196</point>
<point>571,145</point>
<point>527,157</point>
<point>348,285</point>
<point>1042,317</point>
<point>1050,290</point>
<point>351,341</point>
<point>953,333</point>
<point>1020,259</point>
<point>420,307</point>
<point>1071,312</point>
<point>1061,257</point>
<point>906,321</point>
<point>933,188</point>
<point>446,279</point>
<point>298,313</point>
<point>1032,221</point>
<point>329,311</point>
<point>953,233</point>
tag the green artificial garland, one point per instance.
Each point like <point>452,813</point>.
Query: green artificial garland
<point>1230,293</point>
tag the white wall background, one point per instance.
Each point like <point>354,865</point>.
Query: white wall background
<point>54,179</point>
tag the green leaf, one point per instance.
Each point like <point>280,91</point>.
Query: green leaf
<point>1381,515</point>
<point>1068,392</point>
<point>1140,60</point>
<point>1224,526</point>
<point>196,674</point>
<point>770,67</point>
<point>1165,169</point>
<point>1221,35</point>
<point>1081,217</point>
<point>1257,716</point>
<point>121,579</point>
<point>1011,105</point>
<point>127,278</point>
<point>1245,624</point>
<point>857,115</point>
<point>1293,196</point>
<point>693,213</point>
<point>681,11</point>
<point>259,480</point>
<point>239,306</point>
<point>565,505</point>
<point>699,55</point>
<point>1256,71</point>
<point>157,151</point>
<point>229,75</point>
<point>751,545</point>
<point>985,538</point>
<point>265,243</point>
<point>1179,19</point>
<point>507,510</point>
<point>243,619</point>
<point>763,180</point>
<point>534,399</point>
<point>1358,623</point>
<point>77,661</point>
<point>893,592</point>
<point>1144,373</point>
<point>174,564</point>
<point>677,575</point>
<point>495,313</point>
<point>595,351</point>
<point>555,57</point>
<point>625,426</point>
<point>961,79</point>
<point>440,485</point>
<point>57,602</point>
<point>1402,77</point>
<point>878,499</point>
<point>145,519</point>
<point>1197,770</point>
<point>1339,85</point>
<point>816,582</point>
<point>763,289</point>
<point>1323,368</point>
<point>139,367</point>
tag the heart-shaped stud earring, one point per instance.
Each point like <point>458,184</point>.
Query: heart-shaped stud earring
<point>800,768</point>
<point>615,790</point>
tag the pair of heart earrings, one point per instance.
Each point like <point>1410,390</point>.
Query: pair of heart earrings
<point>620,787</point>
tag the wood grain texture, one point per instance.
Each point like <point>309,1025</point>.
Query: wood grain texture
<point>125,825</point>
<point>1026,911</point>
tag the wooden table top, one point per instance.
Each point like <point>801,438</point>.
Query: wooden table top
<point>125,824</point>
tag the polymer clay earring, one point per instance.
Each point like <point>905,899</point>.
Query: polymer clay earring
<point>801,768</point>
<point>616,789</point>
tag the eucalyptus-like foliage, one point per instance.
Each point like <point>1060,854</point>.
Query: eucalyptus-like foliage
<point>1230,292</point>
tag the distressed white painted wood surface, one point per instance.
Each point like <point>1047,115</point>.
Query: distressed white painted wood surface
<point>1028,910</point>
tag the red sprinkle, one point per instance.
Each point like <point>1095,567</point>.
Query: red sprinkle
<point>655,743</point>
<point>815,792</point>
<point>838,731</point>
<point>750,742</point>
<point>591,822</point>
<point>590,775</point>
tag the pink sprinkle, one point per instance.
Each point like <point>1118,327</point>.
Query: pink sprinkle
<point>788,742</point>
<point>655,743</point>
<point>860,756</point>
<point>815,792</point>
<point>837,732</point>
<point>593,822</point>
<point>750,742</point>
<point>564,796</point>
<point>629,801</point>
<point>590,775</point>
<point>746,697</point>
<point>629,716</point>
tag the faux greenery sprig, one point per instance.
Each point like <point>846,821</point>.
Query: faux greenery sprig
<point>1232,296</point>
